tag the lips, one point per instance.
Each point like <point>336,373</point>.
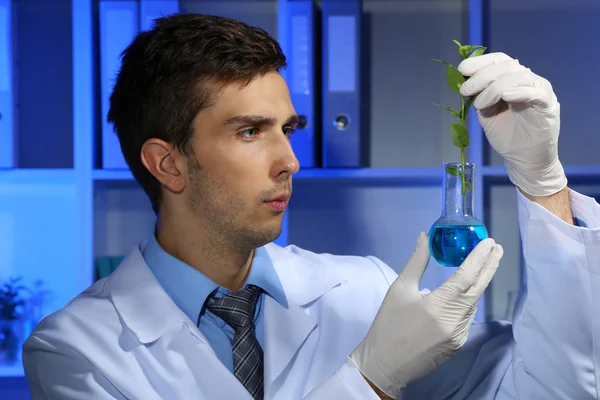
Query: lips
<point>278,203</point>
<point>284,197</point>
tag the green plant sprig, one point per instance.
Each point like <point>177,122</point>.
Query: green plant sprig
<point>459,130</point>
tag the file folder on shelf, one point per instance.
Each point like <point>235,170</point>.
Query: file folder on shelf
<point>7,131</point>
<point>119,24</point>
<point>342,84</point>
<point>300,44</point>
<point>152,9</point>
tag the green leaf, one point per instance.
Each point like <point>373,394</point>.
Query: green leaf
<point>469,185</point>
<point>451,111</point>
<point>478,52</point>
<point>460,135</point>
<point>455,79</point>
<point>457,43</point>
<point>443,62</point>
<point>452,170</point>
<point>463,51</point>
<point>467,106</point>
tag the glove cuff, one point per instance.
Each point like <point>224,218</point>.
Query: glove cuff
<point>545,182</point>
<point>370,371</point>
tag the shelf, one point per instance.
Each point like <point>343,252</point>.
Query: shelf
<point>583,171</point>
<point>38,173</point>
<point>112,175</point>
<point>572,171</point>
<point>493,171</point>
<point>12,371</point>
<point>426,174</point>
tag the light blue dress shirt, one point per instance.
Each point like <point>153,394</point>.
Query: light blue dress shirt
<point>189,289</point>
<point>579,222</point>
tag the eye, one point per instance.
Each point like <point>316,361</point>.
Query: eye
<point>249,133</point>
<point>289,131</point>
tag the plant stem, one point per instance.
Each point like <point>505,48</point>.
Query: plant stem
<point>462,149</point>
<point>462,159</point>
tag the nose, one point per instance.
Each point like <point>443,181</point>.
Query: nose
<point>285,163</point>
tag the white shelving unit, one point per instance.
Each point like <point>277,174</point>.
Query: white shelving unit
<point>60,215</point>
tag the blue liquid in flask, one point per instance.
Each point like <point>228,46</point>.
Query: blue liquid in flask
<point>450,245</point>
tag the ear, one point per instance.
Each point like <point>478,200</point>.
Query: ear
<point>161,159</point>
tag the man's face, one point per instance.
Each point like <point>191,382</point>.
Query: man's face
<point>240,174</point>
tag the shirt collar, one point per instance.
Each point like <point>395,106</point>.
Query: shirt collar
<point>189,288</point>
<point>263,274</point>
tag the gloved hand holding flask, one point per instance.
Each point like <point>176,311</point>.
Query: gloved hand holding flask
<point>413,333</point>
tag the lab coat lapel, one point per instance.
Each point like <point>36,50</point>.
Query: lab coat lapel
<point>149,314</point>
<point>288,330</point>
<point>143,305</point>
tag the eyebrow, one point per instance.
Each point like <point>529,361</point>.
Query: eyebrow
<point>259,120</point>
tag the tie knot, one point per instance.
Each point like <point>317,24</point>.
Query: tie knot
<point>236,309</point>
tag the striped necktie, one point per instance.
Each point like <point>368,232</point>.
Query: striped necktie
<point>237,310</point>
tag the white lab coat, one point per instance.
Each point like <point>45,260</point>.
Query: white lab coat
<point>124,338</point>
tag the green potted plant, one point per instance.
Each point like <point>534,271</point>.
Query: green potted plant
<point>458,230</point>
<point>20,309</point>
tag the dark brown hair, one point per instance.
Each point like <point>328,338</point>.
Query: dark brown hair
<point>166,79</point>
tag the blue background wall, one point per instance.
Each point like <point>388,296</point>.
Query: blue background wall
<point>65,200</point>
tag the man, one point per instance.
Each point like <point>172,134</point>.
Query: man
<point>208,308</point>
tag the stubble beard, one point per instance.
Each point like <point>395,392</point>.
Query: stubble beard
<point>223,213</point>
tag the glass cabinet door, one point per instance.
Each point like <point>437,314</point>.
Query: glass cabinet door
<point>40,266</point>
<point>554,39</point>
<point>36,84</point>
<point>400,38</point>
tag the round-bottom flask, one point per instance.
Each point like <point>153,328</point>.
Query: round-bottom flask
<point>456,233</point>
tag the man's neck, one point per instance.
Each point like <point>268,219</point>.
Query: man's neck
<point>225,264</point>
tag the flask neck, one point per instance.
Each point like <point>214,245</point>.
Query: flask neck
<point>458,190</point>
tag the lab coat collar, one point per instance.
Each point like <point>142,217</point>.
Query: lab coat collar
<point>302,281</point>
<point>287,330</point>
<point>143,305</point>
<point>149,313</point>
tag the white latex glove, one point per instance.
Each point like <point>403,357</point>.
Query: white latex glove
<point>520,115</point>
<point>413,333</point>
